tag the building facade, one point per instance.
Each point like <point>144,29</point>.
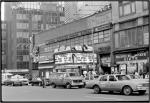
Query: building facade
<point>95,31</point>
<point>130,35</point>
<point>5,30</point>
<point>26,22</point>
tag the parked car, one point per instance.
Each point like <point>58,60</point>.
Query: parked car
<point>14,80</point>
<point>24,81</point>
<point>118,82</point>
<point>66,79</point>
<point>5,77</point>
<point>36,81</point>
<point>88,79</point>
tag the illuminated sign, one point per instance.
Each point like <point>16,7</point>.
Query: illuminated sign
<point>75,58</point>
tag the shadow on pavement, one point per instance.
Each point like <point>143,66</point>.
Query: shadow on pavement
<point>118,93</point>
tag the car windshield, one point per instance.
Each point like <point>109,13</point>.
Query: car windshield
<point>134,77</point>
<point>122,77</point>
<point>73,74</point>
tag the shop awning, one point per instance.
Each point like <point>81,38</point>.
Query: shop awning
<point>44,62</point>
<point>44,67</point>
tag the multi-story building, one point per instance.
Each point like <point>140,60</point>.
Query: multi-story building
<point>24,23</point>
<point>4,26</point>
<point>95,29</point>
<point>130,35</point>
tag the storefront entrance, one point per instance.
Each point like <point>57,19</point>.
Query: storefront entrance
<point>134,61</point>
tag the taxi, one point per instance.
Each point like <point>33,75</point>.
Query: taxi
<point>117,82</point>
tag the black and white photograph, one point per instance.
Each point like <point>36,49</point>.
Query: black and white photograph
<point>75,51</point>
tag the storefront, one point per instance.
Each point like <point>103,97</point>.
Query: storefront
<point>45,68</point>
<point>104,56</point>
<point>75,59</point>
<point>132,62</point>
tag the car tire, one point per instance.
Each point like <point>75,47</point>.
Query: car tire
<point>68,85</point>
<point>53,85</point>
<point>96,89</point>
<point>32,84</point>
<point>127,90</point>
<point>142,92</point>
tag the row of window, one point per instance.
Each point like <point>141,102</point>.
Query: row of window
<point>22,52</point>
<point>21,16</point>
<point>3,25</point>
<point>132,37</point>
<point>129,7</point>
<point>22,25</point>
<point>22,65</point>
<point>22,40</point>
<point>99,37</point>
<point>23,34</point>
<point>23,58</point>
<point>4,34</point>
<point>23,46</point>
<point>36,17</point>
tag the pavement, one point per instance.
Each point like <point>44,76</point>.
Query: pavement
<point>37,93</point>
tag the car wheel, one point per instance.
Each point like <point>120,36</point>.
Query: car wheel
<point>32,84</point>
<point>68,85</point>
<point>142,92</point>
<point>53,85</point>
<point>127,90</point>
<point>97,89</point>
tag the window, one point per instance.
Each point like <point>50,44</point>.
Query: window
<point>95,38</point>
<point>112,78</point>
<point>22,25</point>
<point>3,34</point>
<point>145,5</point>
<point>101,37</point>
<point>139,36</point>
<point>146,20</point>
<point>21,16</point>
<point>107,35</point>
<point>103,78</point>
<point>146,35</point>
<point>126,8</point>
<point>3,26</point>
<point>90,39</point>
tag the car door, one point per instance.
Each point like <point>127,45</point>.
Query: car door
<point>60,79</point>
<point>103,82</point>
<point>112,83</point>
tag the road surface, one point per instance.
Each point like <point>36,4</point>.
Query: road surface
<point>37,93</point>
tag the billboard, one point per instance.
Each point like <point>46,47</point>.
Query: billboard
<point>75,58</point>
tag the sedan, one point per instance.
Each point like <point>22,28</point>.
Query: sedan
<point>119,83</point>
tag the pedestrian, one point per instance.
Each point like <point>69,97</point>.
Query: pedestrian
<point>43,82</point>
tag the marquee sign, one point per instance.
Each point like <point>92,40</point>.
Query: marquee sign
<point>75,58</point>
<point>75,48</point>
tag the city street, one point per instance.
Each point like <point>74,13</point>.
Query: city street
<point>36,93</point>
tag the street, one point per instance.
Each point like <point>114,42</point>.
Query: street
<point>36,93</point>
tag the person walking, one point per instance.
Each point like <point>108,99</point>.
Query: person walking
<point>43,82</point>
